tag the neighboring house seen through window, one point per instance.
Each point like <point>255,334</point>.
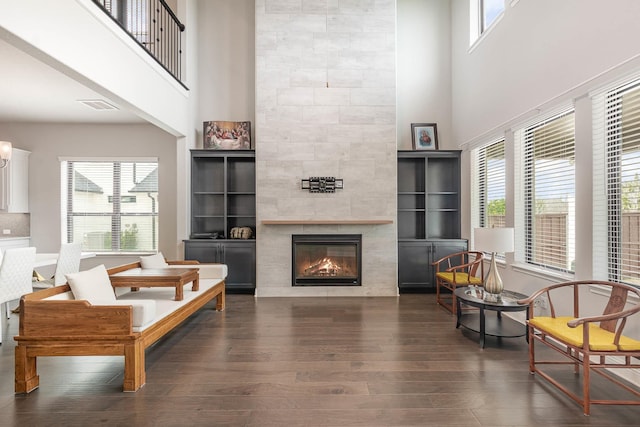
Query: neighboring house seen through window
<point>111,206</point>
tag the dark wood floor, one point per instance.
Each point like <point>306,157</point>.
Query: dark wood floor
<point>306,362</point>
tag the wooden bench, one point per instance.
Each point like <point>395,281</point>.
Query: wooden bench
<point>596,343</point>
<point>51,325</point>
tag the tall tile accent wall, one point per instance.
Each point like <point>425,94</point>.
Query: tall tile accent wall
<point>326,106</point>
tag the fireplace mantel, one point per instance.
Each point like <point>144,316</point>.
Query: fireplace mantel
<point>326,221</point>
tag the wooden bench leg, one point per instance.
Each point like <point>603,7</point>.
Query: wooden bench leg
<point>220,301</point>
<point>134,372</point>
<point>26,373</point>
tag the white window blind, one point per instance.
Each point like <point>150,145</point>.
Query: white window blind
<point>545,210</point>
<point>490,182</point>
<point>111,206</point>
<point>618,137</point>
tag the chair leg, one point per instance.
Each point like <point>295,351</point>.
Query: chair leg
<point>8,309</point>
<point>454,305</point>
<point>532,354</point>
<point>586,397</point>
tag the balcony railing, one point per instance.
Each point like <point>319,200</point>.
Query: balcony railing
<point>154,26</point>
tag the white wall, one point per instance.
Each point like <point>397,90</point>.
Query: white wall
<point>84,43</point>
<point>424,69</point>
<point>48,141</point>
<point>226,61</point>
<point>540,55</point>
<point>540,50</point>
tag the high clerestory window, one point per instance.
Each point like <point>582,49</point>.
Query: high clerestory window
<point>111,206</point>
<point>545,193</point>
<point>616,194</point>
<point>483,14</point>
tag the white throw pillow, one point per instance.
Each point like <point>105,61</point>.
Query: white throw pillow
<point>92,285</point>
<point>153,261</point>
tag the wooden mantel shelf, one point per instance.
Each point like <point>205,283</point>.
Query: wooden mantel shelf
<point>326,221</point>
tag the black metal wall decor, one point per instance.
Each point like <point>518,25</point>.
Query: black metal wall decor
<point>322,184</point>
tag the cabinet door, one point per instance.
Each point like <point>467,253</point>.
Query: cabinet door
<point>240,257</point>
<point>414,267</point>
<point>202,251</point>
<point>14,184</point>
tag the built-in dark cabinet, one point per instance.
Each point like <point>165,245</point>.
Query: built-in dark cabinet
<point>223,196</point>
<point>428,215</point>
<point>239,256</point>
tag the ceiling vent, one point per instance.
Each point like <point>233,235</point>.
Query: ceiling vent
<point>98,104</point>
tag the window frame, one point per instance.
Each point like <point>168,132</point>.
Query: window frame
<point>477,24</point>
<point>525,198</point>
<point>609,260</point>
<point>115,201</point>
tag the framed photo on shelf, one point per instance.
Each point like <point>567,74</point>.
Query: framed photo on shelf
<point>424,136</point>
<point>224,135</point>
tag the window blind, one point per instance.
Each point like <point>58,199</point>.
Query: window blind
<point>546,181</point>
<point>491,183</point>
<point>618,135</point>
<point>111,206</point>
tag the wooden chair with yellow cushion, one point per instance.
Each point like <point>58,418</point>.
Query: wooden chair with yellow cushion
<point>595,342</point>
<point>455,270</point>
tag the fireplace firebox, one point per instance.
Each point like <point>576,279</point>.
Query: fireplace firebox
<point>326,259</point>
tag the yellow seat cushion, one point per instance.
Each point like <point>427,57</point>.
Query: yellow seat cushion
<point>460,278</point>
<point>599,339</point>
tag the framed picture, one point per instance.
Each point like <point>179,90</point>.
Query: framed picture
<point>424,136</point>
<point>220,135</point>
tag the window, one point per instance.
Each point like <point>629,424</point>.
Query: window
<point>111,206</point>
<point>619,142</point>
<point>483,14</point>
<point>545,203</point>
<point>490,10</point>
<point>489,185</point>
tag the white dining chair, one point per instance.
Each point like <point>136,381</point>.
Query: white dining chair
<point>15,277</point>
<point>68,262</point>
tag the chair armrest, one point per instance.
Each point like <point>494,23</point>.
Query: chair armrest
<point>461,266</point>
<point>613,316</point>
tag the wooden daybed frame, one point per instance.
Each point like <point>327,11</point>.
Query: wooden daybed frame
<point>77,328</point>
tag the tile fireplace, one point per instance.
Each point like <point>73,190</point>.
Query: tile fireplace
<point>326,259</point>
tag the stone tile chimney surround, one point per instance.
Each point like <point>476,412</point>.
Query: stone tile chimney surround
<point>326,106</point>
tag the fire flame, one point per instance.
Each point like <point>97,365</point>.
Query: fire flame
<point>324,267</point>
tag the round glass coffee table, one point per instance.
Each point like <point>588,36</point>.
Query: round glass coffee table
<point>492,325</point>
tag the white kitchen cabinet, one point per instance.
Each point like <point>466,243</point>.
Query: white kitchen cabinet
<point>14,183</point>
<point>13,243</point>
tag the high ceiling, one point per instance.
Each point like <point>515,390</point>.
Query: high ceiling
<point>32,91</point>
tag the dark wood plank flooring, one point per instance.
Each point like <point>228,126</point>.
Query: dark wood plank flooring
<point>306,362</point>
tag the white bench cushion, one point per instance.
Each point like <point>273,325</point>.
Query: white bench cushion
<point>206,271</point>
<point>164,299</point>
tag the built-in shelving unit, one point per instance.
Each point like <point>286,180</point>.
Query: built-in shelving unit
<point>223,196</point>
<point>428,215</point>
